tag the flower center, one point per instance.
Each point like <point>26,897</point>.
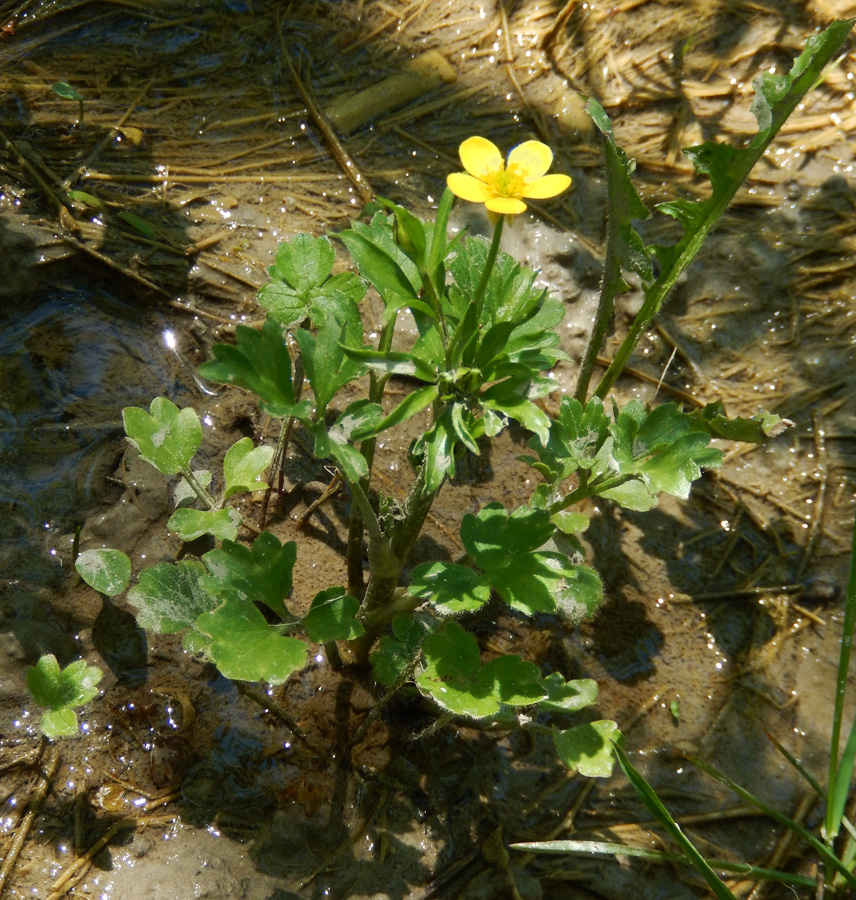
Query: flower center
<point>506,182</point>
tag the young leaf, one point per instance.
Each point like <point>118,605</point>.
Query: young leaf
<point>168,438</point>
<point>568,696</point>
<point>262,574</point>
<point>66,91</point>
<point>261,363</point>
<point>332,617</point>
<point>325,362</point>
<point>492,536</point>
<point>190,524</point>
<point>301,286</point>
<point>587,749</point>
<point>456,680</point>
<point>58,692</point>
<point>576,436</point>
<point>243,466</point>
<point>436,447</point>
<point>451,589</point>
<point>304,262</point>
<point>391,272</point>
<point>397,651</point>
<point>714,421</point>
<point>777,96</point>
<point>506,398</point>
<point>171,596</point>
<point>245,648</point>
<point>107,571</point>
<point>412,404</point>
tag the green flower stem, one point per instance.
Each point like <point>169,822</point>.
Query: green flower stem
<point>200,491</point>
<point>377,383</point>
<point>489,262</point>
<point>610,286</point>
<point>598,486</point>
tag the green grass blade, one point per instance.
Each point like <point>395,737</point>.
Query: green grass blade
<point>604,848</point>
<point>828,856</point>
<point>839,775</point>
<point>661,814</point>
<point>797,765</point>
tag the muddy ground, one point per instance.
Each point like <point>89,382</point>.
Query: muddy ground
<point>195,123</point>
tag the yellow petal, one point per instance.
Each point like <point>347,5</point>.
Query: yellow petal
<point>468,188</point>
<point>480,157</point>
<point>548,186</point>
<point>531,159</point>
<point>508,206</point>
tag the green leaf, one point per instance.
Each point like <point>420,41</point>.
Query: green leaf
<point>451,589</point>
<point>245,648</point>
<point>139,224</point>
<point>59,691</point>
<point>661,447</point>
<point>570,522</point>
<point>492,536</point>
<point>412,404</point>
<point>66,91</point>
<point>396,652</point>
<point>261,363</point>
<point>587,749</point>
<point>243,466</point>
<point>304,262</point>
<point>190,524</point>
<point>713,419</point>
<point>332,617</point>
<point>504,398</point>
<point>170,597</point>
<point>510,295</point>
<point>327,367</point>
<point>391,272</point>
<point>576,436</point>
<point>393,362</point>
<point>437,447</point>
<point>580,594</point>
<point>107,571</point>
<point>455,679</point>
<point>167,438</point>
<point>533,582</point>
<point>283,304</point>
<point>87,199</point>
<point>302,287</point>
<point>568,696</point>
<point>262,574</point>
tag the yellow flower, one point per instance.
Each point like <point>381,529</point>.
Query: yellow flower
<point>501,186</point>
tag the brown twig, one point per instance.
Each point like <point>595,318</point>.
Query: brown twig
<point>50,763</point>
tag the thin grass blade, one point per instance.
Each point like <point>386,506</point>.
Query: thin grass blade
<point>661,814</point>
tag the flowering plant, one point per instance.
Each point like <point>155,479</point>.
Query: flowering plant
<point>486,338</point>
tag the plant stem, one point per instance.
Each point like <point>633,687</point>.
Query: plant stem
<point>835,806</point>
<point>200,491</point>
<point>489,263</point>
<point>379,605</point>
<point>377,383</point>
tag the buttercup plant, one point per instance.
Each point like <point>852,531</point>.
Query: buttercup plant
<point>486,340</point>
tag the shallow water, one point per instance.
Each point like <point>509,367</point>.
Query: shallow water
<point>227,149</point>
